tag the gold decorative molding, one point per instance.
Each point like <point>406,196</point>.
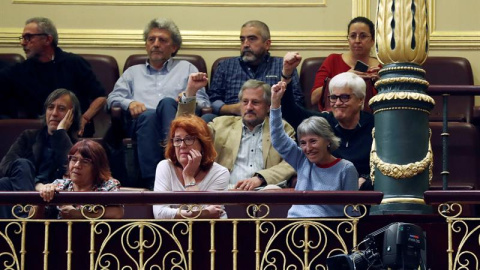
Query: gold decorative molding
<point>403,200</point>
<point>298,40</point>
<point>402,34</point>
<point>100,38</point>
<point>252,3</point>
<point>361,8</point>
<point>399,80</point>
<point>105,38</point>
<point>401,95</point>
<point>398,171</point>
<point>401,68</point>
<point>401,108</point>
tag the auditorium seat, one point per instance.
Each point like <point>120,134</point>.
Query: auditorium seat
<point>463,155</point>
<point>308,71</point>
<point>11,58</point>
<point>442,70</point>
<point>196,60</point>
<point>10,129</point>
<point>215,65</point>
<point>105,67</point>
<point>117,115</point>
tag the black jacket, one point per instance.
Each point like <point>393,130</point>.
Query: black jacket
<point>24,87</point>
<point>355,144</point>
<point>30,144</point>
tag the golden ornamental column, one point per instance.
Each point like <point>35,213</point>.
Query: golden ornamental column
<point>401,157</point>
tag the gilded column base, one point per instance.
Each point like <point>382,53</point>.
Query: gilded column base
<point>401,205</point>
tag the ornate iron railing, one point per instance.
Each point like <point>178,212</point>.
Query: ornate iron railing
<point>255,242</point>
<point>463,233</point>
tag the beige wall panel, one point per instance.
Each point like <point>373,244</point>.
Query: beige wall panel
<point>213,31</point>
<point>187,18</point>
<point>457,15</point>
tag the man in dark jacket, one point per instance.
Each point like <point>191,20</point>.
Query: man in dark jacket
<point>40,156</point>
<point>27,84</point>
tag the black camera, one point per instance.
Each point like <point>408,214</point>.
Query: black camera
<point>358,259</point>
<point>403,247</point>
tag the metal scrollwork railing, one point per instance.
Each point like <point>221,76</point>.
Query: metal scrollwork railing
<point>459,257</point>
<point>189,243</point>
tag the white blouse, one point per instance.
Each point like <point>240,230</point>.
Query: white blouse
<point>166,179</point>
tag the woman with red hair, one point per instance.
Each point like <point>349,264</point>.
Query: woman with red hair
<point>190,166</point>
<point>88,170</point>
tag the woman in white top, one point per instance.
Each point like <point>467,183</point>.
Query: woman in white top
<point>190,166</point>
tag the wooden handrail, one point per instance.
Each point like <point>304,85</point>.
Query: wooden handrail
<point>460,196</point>
<point>226,197</point>
<point>460,90</point>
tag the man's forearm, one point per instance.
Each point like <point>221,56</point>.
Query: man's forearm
<point>94,108</point>
<point>230,109</point>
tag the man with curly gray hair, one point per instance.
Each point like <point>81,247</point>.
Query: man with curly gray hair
<point>147,93</point>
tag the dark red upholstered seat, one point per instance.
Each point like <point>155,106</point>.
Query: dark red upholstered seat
<point>118,116</point>
<point>11,58</point>
<point>10,129</point>
<point>463,155</point>
<point>450,71</point>
<point>215,64</point>
<point>308,71</point>
<point>196,60</point>
<point>105,67</point>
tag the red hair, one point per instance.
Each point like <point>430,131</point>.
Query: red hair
<point>194,126</point>
<point>94,151</point>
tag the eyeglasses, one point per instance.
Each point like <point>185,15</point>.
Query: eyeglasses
<point>361,36</point>
<point>189,140</point>
<point>343,98</point>
<point>83,161</point>
<point>28,37</point>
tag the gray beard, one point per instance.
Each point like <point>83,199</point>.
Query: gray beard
<point>249,58</point>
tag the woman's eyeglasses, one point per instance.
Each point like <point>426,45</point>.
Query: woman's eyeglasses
<point>361,36</point>
<point>189,140</point>
<point>83,161</point>
<point>343,98</point>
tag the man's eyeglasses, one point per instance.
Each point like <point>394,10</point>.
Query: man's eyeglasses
<point>343,98</point>
<point>361,36</point>
<point>28,37</point>
<point>83,161</point>
<point>189,140</point>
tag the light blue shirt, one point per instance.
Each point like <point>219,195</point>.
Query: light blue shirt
<point>341,176</point>
<point>145,84</point>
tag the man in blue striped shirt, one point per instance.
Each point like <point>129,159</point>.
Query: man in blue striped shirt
<point>254,62</point>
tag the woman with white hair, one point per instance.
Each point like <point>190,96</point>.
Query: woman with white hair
<point>347,119</point>
<point>317,168</point>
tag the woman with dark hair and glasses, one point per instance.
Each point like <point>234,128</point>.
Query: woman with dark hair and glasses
<point>190,166</point>
<point>361,38</point>
<point>88,170</point>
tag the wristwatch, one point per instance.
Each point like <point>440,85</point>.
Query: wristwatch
<point>287,77</point>
<point>190,184</point>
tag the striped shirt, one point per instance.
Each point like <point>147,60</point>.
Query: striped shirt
<point>233,72</point>
<point>250,155</point>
